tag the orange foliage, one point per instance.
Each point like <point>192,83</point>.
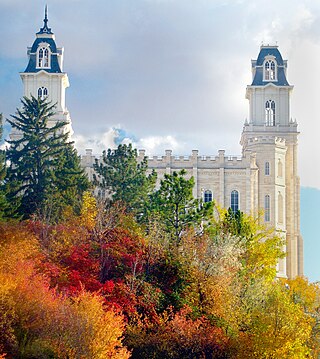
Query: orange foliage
<point>35,319</point>
<point>177,335</point>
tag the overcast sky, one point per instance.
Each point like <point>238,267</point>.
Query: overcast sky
<point>169,73</point>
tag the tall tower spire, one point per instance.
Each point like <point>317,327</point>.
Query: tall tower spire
<point>45,29</point>
<point>273,136</point>
<point>44,76</point>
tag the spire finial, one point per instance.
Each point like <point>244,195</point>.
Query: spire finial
<point>45,29</point>
<point>45,15</point>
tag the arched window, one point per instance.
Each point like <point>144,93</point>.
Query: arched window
<point>270,70</point>
<point>280,208</point>
<point>43,58</point>
<point>234,201</point>
<point>270,113</point>
<point>267,168</point>
<point>267,208</point>
<point>42,92</point>
<point>207,196</point>
<point>102,194</point>
<point>280,167</point>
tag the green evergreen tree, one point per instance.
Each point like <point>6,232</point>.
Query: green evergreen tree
<point>174,204</point>
<point>70,180</point>
<point>44,169</point>
<point>124,178</point>
<point>3,202</point>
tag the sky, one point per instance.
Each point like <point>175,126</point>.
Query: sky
<point>169,74</point>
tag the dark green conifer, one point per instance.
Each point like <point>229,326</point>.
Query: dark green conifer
<point>44,172</point>
<point>124,178</point>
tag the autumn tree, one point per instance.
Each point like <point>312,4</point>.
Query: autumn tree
<point>262,246</point>
<point>209,267</point>
<point>123,177</point>
<point>307,296</point>
<point>278,328</point>
<point>175,206</point>
<point>177,335</point>
<point>44,173</point>
<point>89,330</point>
<point>38,322</point>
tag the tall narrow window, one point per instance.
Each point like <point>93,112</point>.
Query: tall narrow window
<point>234,201</point>
<point>270,70</point>
<point>280,208</point>
<point>42,92</point>
<point>207,196</point>
<point>43,57</point>
<point>267,208</point>
<point>270,113</point>
<point>267,169</point>
<point>280,168</point>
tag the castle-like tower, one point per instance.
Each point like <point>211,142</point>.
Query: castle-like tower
<point>44,76</point>
<point>272,136</point>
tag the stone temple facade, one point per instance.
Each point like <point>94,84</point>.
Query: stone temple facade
<point>264,177</point>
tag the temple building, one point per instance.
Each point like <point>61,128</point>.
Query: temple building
<point>264,177</point>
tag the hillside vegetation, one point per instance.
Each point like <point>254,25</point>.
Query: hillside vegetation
<point>139,271</point>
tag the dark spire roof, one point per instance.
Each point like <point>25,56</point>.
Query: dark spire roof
<point>265,52</point>
<point>44,36</point>
<point>45,29</point>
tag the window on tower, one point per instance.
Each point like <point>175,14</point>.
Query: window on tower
<point>267,169</point>
<point>280,168</point>
<point>267,208</point>
<point>270,70</point>
<point>42,92</point>
<point>270,113</point>
<point>207,196</point>
<point>43,58</point>
<point>280,208</point>
<point>234,201</point>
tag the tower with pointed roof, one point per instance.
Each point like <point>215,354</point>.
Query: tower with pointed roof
<point>273,137</point>
<point>44,76</point>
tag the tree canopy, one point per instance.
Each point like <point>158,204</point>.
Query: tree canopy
<point>123,177</point>
<point>175,205</point>
<point>43,163</point>
<point>166,277</point>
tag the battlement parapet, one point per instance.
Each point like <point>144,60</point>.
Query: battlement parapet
<point>196,160</point>
<point>248,160</point>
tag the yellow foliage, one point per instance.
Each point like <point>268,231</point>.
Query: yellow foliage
<point>304,293</point>
<point>91,332</point>
<point>210,267</point>
<point>279,328</point>
<point>89,211</point>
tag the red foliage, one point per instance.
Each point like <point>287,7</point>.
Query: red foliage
<point>82,270</point>
<point>121,254</point>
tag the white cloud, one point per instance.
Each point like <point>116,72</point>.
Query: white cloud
<point>153,145</point>
<point>97,143</point>
<point>156,145</point>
